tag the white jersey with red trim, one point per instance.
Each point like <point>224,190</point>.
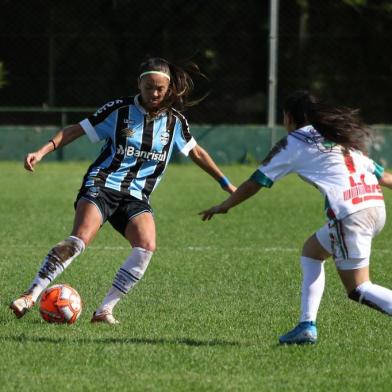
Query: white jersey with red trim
<point>348,180</point>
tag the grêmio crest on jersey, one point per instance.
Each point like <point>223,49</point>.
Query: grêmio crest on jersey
<point>165,137</point>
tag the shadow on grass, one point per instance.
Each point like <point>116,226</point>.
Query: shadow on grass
<point>161,341</point>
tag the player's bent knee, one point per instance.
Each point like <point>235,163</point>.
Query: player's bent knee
<point>362,296</point>
<point>149,245</point>
<point>67,249</point>
<point>85,237</point>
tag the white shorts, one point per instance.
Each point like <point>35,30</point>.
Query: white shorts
<point>350,240</point>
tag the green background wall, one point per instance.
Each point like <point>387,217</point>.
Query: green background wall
<point>226,143</point>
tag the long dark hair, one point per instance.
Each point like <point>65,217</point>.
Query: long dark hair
<point>341,125</point>
<point>181,83</point>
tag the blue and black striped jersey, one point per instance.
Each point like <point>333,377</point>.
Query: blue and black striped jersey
<point>137,149</point>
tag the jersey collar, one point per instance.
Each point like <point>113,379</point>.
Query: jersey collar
<point>161,113</point>
<point>307,134</point>
<point>306,129</point>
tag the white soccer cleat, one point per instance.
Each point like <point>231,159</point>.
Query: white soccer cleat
<point>22,305</point>
<point>104,317</point>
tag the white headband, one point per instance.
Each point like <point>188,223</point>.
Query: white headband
<point>154,72</point>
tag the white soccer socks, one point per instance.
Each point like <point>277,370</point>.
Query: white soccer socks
<point>313,283</point>
<point>57,260</point>
<point>126,278</point>
<point>374,296</point>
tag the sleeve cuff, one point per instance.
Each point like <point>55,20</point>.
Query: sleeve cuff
<point>378,170</point>
<point>261,179</point>
<point>188,147</point>
<point>89,130</point>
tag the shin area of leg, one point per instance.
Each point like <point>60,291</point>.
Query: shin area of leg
<point>57,260</point>
<point>313,283</point>
<point>127,277</point>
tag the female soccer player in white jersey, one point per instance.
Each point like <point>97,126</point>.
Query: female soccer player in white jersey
<point>141,133</point>
<point>326,146</point>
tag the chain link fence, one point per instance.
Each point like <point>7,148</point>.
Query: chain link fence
<point>81,54</point>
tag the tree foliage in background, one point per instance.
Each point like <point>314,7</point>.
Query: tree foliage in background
<point>342,51</point>
<point>82,53</point>
<point>2,75</point>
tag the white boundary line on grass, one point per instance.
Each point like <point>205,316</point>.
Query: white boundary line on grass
<point>191,248</point>
<point>243,248</point>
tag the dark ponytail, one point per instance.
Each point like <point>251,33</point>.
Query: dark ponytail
<point>341,125</point>
<point>181,83</point>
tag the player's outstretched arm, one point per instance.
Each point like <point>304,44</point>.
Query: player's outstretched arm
<point>386,180</point>
<point>204,161</point>
<point>62,138</point>
<point>244,191</point>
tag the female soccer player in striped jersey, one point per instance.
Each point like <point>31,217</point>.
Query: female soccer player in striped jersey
<point>326,146</point>
<point>140,135</point>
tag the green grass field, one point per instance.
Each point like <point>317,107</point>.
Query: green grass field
<point>209,311</point>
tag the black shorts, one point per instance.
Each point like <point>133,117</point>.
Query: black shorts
<point>115,207</point>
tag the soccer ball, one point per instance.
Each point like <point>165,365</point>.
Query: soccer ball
<point>60,304</point>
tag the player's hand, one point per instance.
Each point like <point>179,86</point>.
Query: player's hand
<point>31,160</point>
<point>208,214</point>
<point>230,188</point>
